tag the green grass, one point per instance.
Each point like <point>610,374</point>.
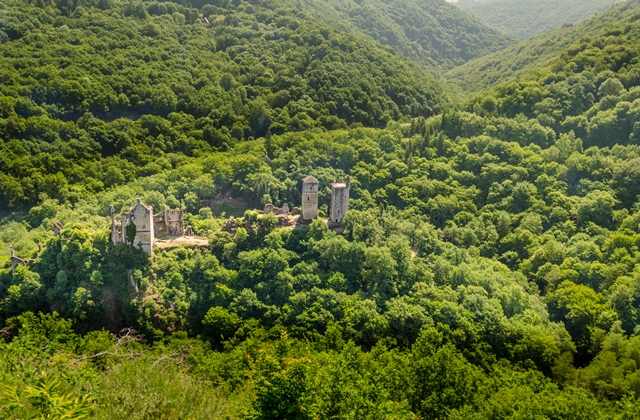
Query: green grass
<point>163,389</point>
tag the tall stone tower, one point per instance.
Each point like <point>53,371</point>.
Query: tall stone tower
<point>339,200</point>
<point>309,198</point>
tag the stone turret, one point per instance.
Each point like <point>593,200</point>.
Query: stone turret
<point>309,198</point>
<point>339,200</point>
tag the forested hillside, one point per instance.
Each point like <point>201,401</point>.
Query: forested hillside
<point>488,266</point>
<point>431,32</point>
<point>531,54</point>
<point>113,81</point>
<point>526,18</point>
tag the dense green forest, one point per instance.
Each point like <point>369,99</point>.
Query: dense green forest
<point>432,32</point>
<point>529,55</point>
<point>133,83</point>
<point>526,18</point>
<point>488,267</point>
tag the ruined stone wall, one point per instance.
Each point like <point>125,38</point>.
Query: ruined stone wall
<point>116,229</point>
<point>57,228</point>
<point>142,217</point>
<point>17,261</point>
<point>169,222</point>
<point>175,222</point>
<point>125,220</point>
<point>158,225</point>
<point>270,208</point>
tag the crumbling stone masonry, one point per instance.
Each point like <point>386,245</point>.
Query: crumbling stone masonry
<point>16,261</point>
<point>141,217</point>
<point>281,213</point>
<point>270,208</point>
<point>169,222</point>
<point>339,200</point>
<point>148,226</point>
<point>57,228</point>
<point>309,198</point>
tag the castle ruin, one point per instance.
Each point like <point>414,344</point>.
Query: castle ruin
<point>57,228</point>
<point>270,208</point>
<point>339,200</point>
<point>17,261</point>
<point>147,225</point>
<point>282,213</point>
<point>141,217</point>
<point>309,198</point>
<point>169,222</point>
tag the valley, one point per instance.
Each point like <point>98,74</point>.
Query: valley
<point>269,209</point>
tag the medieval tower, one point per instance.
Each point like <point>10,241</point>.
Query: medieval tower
<point>339,200</point>
<point>148,225</point>
<point>141,217</point>
<point>309,198</point>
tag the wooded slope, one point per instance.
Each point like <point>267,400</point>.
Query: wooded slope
<point>531,54</point>
<point>526,18</point>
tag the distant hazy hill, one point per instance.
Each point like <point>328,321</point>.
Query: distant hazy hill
<point>530,54</point>
<point>590,90</point>
<point>525,18</point>
<point>432,32</point>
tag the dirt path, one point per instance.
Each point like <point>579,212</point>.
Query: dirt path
<point>173,242</point>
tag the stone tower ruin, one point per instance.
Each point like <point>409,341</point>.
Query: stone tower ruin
<point>339,200</point>
<point>142,217</point>
<point>169,222</point>
<point>148,226</point>
<point>16,261</point>
<point>309,198</point>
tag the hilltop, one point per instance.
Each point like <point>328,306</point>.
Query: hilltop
<point>131,82</point>
<point>531,54</point>
<point>526,18</point>
<point>432,32</point>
